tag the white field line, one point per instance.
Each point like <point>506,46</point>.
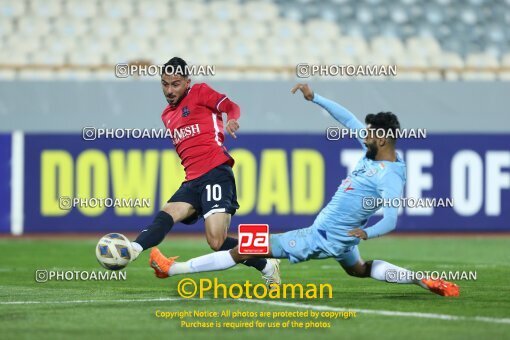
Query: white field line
<point>446,317</point>
<point>382,312</point>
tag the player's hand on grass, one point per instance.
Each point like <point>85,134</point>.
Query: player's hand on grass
<point>232,127</point>
<point>359,233</point>
<point>305,89</point>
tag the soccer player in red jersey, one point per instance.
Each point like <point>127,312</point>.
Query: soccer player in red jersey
<point>194,118</point>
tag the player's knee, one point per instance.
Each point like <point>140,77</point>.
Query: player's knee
<point>215,243</point>
<point>178,211</point>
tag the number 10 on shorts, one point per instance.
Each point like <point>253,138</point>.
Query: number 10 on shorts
<point>253,238</point>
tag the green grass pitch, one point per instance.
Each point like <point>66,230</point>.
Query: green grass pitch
<point>104,309</point>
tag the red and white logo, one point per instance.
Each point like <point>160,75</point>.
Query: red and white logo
<point>185,132</point>
<point>253,238</point>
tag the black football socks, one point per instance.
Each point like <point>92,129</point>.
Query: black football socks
<point>156,232</point>
<point>258,264</point>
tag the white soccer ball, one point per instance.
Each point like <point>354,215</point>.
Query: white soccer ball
<point>113,251</point>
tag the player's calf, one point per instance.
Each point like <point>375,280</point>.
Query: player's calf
<point>216,226</point>
<point>155,233</point>
<point>360,269</point>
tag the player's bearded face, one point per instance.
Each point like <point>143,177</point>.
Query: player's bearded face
<point>371,143</point>
<point>372,149</point>
<point>174,87</point>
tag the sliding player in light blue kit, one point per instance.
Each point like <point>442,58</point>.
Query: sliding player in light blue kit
<point>339,227</point>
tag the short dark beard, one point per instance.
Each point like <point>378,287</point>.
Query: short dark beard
<point>178,101</point>
<point>371,151</point>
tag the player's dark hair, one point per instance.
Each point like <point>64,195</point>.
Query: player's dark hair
<point>387,121</point>
<point>177,66</point>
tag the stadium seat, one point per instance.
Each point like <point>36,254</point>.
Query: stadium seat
<point>373,59</point>
<point>84,58</point>
<point>45,57</point>
<point>6,28</point>
<point>7,75</point>
<point>405,59</point>
<point>481,60</point>
<point>322,30</point>
<point>12,8</point>
<point>322,52</point>
<point>47,8</point>
<point>134,49</point>
<point>207,50</point>
<point>188,32</point>
<point>279,49</point>
<point>161,53</point>
<point>70,27</point>
<point>352,46</point>
<point>153,9</point>
<point>224,10</point>
<point>14,56</point>
<point>106,28</point>
<point>448,60</point>
<point>190,10</point>
<point>260,11</point>
<point>142,28</point>
<point>505,62</point>
<point>250,30</point>
<point>95,45</point>
<point>61,45</point>
<point>364,15</point>
<point>285,29</point>
<point>239,51</point>
<point>425,46</point>
<point>272,60</point>
<point>28,26</point>
<point>81,9</point>
<point>292,13</point>
<point>211,33</point>
<point>437,34</point>
<point>387,46</point>
<point>21,45</point>
<point>116,9</point>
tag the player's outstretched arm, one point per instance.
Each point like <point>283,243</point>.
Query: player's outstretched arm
<point>340,113</point>
<point>384,226</point>
<point>220,103</point>
<point>391,187</point>
<point>233,113</point>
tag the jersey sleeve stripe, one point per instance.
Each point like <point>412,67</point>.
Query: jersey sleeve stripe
<point>216,129</point>
<point>218,105</point>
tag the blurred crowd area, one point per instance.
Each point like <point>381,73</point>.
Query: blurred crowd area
<point>427,40</point>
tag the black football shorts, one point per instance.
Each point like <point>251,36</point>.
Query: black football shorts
<point>213,192</point>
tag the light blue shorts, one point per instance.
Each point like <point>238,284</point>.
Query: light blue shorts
<point>312,243</point>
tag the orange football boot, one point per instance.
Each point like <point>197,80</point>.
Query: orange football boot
<point>160,263</point>
<point>442,287</point>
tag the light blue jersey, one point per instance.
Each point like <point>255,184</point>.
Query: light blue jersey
<point>351,206</point>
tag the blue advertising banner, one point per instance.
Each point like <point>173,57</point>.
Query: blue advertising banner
<point>5,183</point>
<point>283,180</point>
